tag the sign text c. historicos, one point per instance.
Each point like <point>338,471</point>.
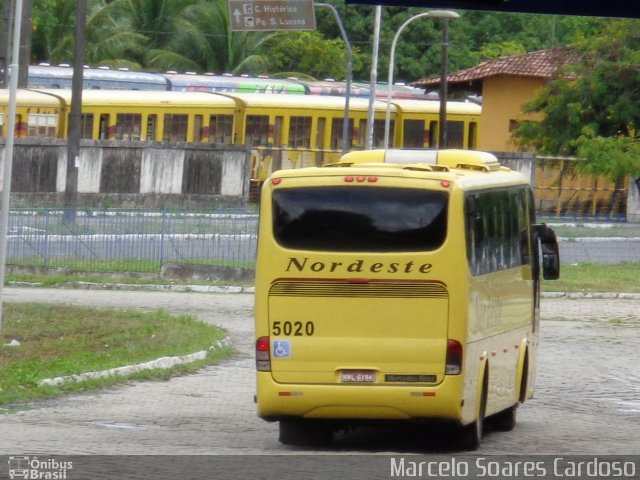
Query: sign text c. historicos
<point>268,15</point>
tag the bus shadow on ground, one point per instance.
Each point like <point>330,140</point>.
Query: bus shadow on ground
<point>410,438</point>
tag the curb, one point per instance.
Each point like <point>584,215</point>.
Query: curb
<point>591,295</point>
<point>138,287</point>
<point>159,363</point>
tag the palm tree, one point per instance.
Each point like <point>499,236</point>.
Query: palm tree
<point>203,40</point>
<point>53,31</point>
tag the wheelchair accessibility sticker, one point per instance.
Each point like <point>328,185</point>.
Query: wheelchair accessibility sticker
<point>282,349</point>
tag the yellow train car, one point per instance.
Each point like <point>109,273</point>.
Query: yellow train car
<point>153,115</point>
<point>37,114</point>
<point>301,131</point>
<point>283,131</point>
<point>419,124</point>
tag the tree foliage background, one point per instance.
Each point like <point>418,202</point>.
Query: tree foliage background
<point>195,35</point>
<point>592,109</point>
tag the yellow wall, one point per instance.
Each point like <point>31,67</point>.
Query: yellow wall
<point>502,99</point>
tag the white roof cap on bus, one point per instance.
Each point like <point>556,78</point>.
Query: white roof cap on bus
<point>405,157</point>
<point>451,158</point>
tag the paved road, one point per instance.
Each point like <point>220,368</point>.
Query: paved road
<point>587,402</point>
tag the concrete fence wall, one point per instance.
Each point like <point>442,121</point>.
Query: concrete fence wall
<point>129,173</point>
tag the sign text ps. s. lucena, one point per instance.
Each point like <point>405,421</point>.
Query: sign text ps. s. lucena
<point>266,15</point>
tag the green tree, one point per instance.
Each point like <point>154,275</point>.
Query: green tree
<point>53,31</point>
<point>592,110</point>
<point>203,41</point>
<point>308,54</point>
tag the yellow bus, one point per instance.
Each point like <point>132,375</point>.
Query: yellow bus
<point>398,285</point>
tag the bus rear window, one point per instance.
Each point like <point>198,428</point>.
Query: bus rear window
<point>369,219</point>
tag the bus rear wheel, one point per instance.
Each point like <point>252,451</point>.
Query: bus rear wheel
<point>505,421</point>
<point>472,433</point>
<point>304,433</point>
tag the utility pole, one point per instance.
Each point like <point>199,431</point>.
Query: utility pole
<point>8,152</point>
<point>75,118</point>
<point>25,43</point>
<point>5,38</point>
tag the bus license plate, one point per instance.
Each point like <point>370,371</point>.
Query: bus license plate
<point>358,376</point>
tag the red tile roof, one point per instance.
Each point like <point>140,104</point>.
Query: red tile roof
<point>540,64</point>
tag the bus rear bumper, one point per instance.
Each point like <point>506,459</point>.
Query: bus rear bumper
<point>359,402</point>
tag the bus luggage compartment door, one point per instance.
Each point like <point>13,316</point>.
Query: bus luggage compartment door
<point>333,332</point>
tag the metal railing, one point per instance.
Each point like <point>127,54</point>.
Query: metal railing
<point>131,240</point>
<point>116,240</point>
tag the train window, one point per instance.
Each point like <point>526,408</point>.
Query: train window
<point>175,127</point>
<point>455,134</point>
<point>42,125</point>
<point>433,133</point>
<point>322,122</point>
<point>198,132</point>
<point>413,134</point>
<point>257,130</point>
<point>473,134</point>
<point>152,127</point>
<point>336,133</point>
<point>300,132</point>
<point>221,129</point>
<point>362,133</point>
<point>128,126</point>
<point>378,133</point>
<point>86,126</point>
<point>104,127</point>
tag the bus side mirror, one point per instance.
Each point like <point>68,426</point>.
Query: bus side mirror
<point>550,252</point>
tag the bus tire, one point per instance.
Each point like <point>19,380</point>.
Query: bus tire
<point>505,421</point>
<point>472,434</point>
<point>304,433</point>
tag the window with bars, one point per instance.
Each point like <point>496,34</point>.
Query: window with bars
<point>300,132</point>
<point>128,126</point>
<point>221,129</point>
<point>42,125</point>
<point>175,127</point>
<point>336,133</point>
<point>86,126</point>
<point>257,130</point>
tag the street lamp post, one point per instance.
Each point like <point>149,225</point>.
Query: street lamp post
<point>444,15</point>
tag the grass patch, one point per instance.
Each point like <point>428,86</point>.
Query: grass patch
<point>63,340</point>
<point>624,277</point>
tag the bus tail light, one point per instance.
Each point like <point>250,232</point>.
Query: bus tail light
<point>263,356</point>
<point>454,358</point>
